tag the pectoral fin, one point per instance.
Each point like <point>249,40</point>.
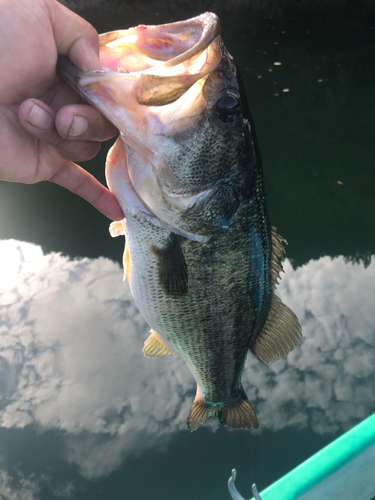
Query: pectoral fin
<point>280,335</point>
<point>154,347</point>
<point>172,269</point>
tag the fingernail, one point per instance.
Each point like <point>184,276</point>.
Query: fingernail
<point>91,61</point>
<point>40,118</point>
<point>85,56</point>
<point>79,126</point>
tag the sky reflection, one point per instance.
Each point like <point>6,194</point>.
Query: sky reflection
<point>71,357</point>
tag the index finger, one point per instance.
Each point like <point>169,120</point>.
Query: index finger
<point>79,181</point>
<point>75,37</point>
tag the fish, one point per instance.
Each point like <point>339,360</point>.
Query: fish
<point>201,256</point>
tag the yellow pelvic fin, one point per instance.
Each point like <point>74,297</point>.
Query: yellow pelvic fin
<point>116,229</point>
<point>280,335</point>
<point>154,347</point>
<point>126,263</point>
<point>277,256</point>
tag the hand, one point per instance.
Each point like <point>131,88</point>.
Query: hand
<point>44,126</point>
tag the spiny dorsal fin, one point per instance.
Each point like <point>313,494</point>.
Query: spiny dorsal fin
<point>280,335</point>
<point>116,228</point>
<point>277,256</point>
<point>154,347</point>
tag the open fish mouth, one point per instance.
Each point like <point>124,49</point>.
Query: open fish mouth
<point>157,63</point>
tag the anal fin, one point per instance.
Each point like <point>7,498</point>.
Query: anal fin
<point>154,347</point>
<point>280,335</point>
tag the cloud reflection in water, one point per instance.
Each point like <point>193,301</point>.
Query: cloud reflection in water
<point>27,488</point>
<point>71,356</point>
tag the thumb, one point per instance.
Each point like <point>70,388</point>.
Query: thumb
<point>75,37</point>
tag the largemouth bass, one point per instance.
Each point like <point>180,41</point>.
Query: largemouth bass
<point>201,256</point>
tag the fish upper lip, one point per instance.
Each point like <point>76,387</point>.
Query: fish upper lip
<point>210,25</point>
<point>210,29</point>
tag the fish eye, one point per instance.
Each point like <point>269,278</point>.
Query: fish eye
<point>227,109</point>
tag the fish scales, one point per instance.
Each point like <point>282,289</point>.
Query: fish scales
<point>201,256</point>
<point>218,270</point>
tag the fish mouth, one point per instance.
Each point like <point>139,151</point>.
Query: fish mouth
<point>159,62</point>
<point>146,70</point>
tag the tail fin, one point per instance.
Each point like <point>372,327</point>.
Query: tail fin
<point>200,412</point>
<point>239,415</point>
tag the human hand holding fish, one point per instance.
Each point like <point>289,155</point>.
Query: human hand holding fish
<point>44,125</point>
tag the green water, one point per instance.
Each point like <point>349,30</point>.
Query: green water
<point>83,415</point>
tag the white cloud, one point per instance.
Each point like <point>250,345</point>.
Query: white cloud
<point>17,486</point>
<point>71,356</point>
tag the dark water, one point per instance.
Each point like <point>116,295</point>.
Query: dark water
<point>83,415</point>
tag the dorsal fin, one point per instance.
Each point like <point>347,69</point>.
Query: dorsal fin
<point>280,335</point>
<point>277,256</point>
<point>154,347</point>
